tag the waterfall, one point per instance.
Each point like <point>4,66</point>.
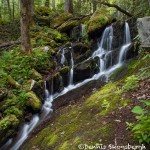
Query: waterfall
<point>46,109</point>
<point>125,47</point>
<point>104,52</point>
<point>27,128</point>
<point>105,48</point>
<point>82,29</point>
<point>63,56</point>
<point>72,67</point>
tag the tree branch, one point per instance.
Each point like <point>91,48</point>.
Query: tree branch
<point>115,6</point>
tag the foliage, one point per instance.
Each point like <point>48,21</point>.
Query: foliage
<point>131,83</point>
<point>141,129</point>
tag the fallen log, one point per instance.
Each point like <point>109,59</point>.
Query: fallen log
<point>7,45</point>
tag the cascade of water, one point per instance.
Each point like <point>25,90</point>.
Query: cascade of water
<point>27,128</point>
<point>82,29</point>
<point>104,48</point>
<point>46,109</point>
<point>125,47</point>
<point>72,67</point>
<point>104,53</point>
<point>63,56</point>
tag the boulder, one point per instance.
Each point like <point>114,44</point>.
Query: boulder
<point>68,26</point>
<point>143,25</point>
<point>85,70</point>
<point>98,21</point>
<point>3,93</point>
<point>13,83</point>
<point>8,127</point>
<point>64,72</point>
<point>59,20</point>
<point>33,101</point>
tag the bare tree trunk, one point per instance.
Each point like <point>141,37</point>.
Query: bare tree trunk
<point>25,8</point>
<point>47,3</point>
<point>13,10</point>
<point>148,2</point>
<point>94,6</point>
<point>68,6</point>
<point>9,8</point>
<point>53,4</point>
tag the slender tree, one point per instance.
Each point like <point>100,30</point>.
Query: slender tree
<point>53,4</point>
<point>68,7</point>
<point>25,10</point>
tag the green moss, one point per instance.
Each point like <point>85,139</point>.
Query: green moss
<point>64,70</point>
<point>63,17</point>
<point>99,19</point>
<point>33,101</point>
<point>68,25</point>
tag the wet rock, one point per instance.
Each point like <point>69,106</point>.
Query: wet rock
<point>3,93</point>
<point>33,101</point>
<point>85,70</point>
<point>64,72</point>
<point>81,52</point>
<point>143,25</point>
<point>99,20</point>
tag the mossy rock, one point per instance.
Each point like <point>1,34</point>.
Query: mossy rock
<point>3,93</point>
<point>68,26</point>
<point>99,20</point>
<point>7,127</point>
<point>64,72</point>
<point>59,20</point>
<point>42,11</point>
<point>36,75</point>
<point>33,102</point>
<point>13,83</point>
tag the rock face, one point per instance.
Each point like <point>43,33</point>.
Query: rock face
<point>143,25</point>
<point>99,20</point>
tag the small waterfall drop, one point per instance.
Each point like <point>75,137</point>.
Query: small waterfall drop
<point>82,29</point>
<point>27,128</point>
<point>125,47</point>
<point>104,49</point>
<point>63,56</point>
<point>72,67</point>
<point>46,109</point>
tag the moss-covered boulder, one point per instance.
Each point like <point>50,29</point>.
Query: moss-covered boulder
<point>36,75</point>
<point>3,93</point>
<point>59,20</point>
<point>68,26</point>
<point>99,20</point>
<point>42,16</point>
<point>13,83</point>
<point>33,101</point>
<point>7,127</point>
<point>85,70</point>
<point>36,86</point>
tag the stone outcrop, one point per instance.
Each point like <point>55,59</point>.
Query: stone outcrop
<point>143,25</point>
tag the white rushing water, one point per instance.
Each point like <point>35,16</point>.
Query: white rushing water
<point>63,56</point>
<point>125,47</point>
<point>72,68</point>
<point>104,53</point>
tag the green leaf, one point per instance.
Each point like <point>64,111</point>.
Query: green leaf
<point>138,110</point>
<point>147,102</point>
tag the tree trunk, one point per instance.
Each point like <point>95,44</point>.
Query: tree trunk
<point>94,6</point>
<point>25,8</point>
<point>68,6</point>
<point>53,4</point>
<point>47,3</point>
<point>13,10</point>
<point>9,8</point>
